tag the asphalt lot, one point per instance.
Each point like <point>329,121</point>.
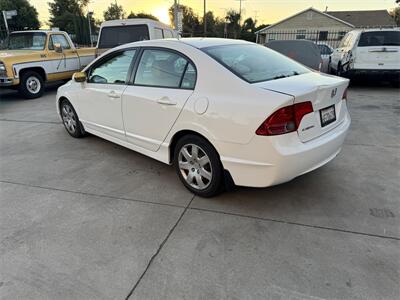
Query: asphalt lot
<point>87,219</point>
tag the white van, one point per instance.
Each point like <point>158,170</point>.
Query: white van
<point>117,32</point>
<point>372,52</point>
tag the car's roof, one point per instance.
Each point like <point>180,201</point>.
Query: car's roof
<point>38,31</point>
<point>135,21</point>
<point>375,29</point>
<point>211,42</point>
<point>198,43</point>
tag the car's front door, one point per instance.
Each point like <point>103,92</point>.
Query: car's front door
<point>62,65</point>
<point>100,98</point>
<point>163,82</point>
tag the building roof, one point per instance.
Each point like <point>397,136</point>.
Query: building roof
<point>365,18</point>
<point>308,9</point>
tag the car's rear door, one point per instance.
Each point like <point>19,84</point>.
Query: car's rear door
<point>378,50</point>
<point>100,99</point>
<point>161,84</point>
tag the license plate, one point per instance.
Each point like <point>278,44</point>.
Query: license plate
<point>328,115</point>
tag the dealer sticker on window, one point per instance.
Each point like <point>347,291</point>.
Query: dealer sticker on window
<point>328,115</point>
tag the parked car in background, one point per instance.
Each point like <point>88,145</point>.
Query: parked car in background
<point>369,52</point>
<point>302,51</point>
<point>326,51</point>
<point>118,32</point>
<point>31,58</point>
<point>268,121</point>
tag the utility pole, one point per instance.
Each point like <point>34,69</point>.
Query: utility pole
<point>89,15</point>
<point>5,22</point>
<point>255,16</point>
<point>240,9</point>
<point>205,18</point>
<point>176,14</point>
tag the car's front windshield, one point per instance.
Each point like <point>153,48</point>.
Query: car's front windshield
<point>255,63</point>
<point>26,41</point>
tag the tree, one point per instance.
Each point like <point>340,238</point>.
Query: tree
<point>142,15</point>
<point>395,13</point>
<point>63,12</point>
<point>190,21</point>
<point>248,29</point>
<point>27,17</point>
<point>114,12</point>
<point>233,18</point>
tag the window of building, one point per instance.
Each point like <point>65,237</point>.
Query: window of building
<point>323,36</point>
<point>301,34</point>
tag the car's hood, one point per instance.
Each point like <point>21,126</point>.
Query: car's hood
<point>18,55</point>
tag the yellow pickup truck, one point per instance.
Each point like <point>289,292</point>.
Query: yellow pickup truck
<point>31,58</point>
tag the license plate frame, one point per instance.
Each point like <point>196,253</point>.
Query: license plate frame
<point>327,115</point>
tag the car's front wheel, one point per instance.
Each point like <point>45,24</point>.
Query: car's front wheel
<point>32,85</point>
<point>70,119</point>
<point>198,166</point>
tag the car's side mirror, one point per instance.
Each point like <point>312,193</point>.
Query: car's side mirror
<point>58,48</point>
<point>79,77</point>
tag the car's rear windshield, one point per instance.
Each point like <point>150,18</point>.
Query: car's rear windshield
<point>255,63</point>
<point>379,38</point>
<point>114,36</point>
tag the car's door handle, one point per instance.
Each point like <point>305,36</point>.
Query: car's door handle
<point>166,101</point>
<point>114,95</point>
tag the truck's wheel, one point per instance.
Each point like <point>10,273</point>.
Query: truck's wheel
<point>31,85</point>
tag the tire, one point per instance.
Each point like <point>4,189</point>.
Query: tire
<point>31,85</point>
<point>339,71</point>
<point>71,120</point>
<point>201,174</point>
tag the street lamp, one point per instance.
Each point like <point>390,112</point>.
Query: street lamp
<point>89,15</point>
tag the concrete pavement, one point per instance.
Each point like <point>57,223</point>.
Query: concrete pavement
<point>87,219</point>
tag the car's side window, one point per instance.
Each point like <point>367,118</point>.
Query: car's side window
<point>189,79</point>
<point>58,39</point>
<point>163,68</point>
<point>158,34</point>
<point>167,34</point>
<point>113,70</point>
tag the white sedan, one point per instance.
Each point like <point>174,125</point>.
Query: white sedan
<point>219,110</point>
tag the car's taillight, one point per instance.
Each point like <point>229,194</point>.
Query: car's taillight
<point>284,120</point>
<point>344,97</point>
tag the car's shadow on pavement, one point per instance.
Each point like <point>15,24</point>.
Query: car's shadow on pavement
<point>13,95</point>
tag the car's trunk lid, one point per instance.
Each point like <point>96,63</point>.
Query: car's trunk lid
<point>324,92</point>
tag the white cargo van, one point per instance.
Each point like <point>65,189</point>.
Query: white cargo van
<point>369,52</point>
<point>117,32</point>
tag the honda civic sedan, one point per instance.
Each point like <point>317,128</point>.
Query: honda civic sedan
<point>219,110</point>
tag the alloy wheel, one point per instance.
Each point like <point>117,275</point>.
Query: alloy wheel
<point>195,166</point>
<point>69,118</point>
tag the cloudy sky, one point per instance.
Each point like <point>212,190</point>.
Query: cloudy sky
<point>267,11</point>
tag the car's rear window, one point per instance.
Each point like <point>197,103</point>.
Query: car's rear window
<point>255,63</point>
<point>379,38</point>
<point>111,37</point>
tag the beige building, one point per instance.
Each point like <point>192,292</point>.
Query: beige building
<point>329,26</point>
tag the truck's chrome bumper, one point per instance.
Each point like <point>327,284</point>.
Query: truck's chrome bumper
<point>4,81</point>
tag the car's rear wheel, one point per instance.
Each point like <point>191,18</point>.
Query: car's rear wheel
<point>31,85</point>
<point>70,119</point>
<point>198,166</point>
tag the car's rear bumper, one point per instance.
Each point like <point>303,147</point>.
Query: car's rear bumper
<point>268,161</point>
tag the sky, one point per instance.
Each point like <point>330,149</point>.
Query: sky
<point>265,11</point>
